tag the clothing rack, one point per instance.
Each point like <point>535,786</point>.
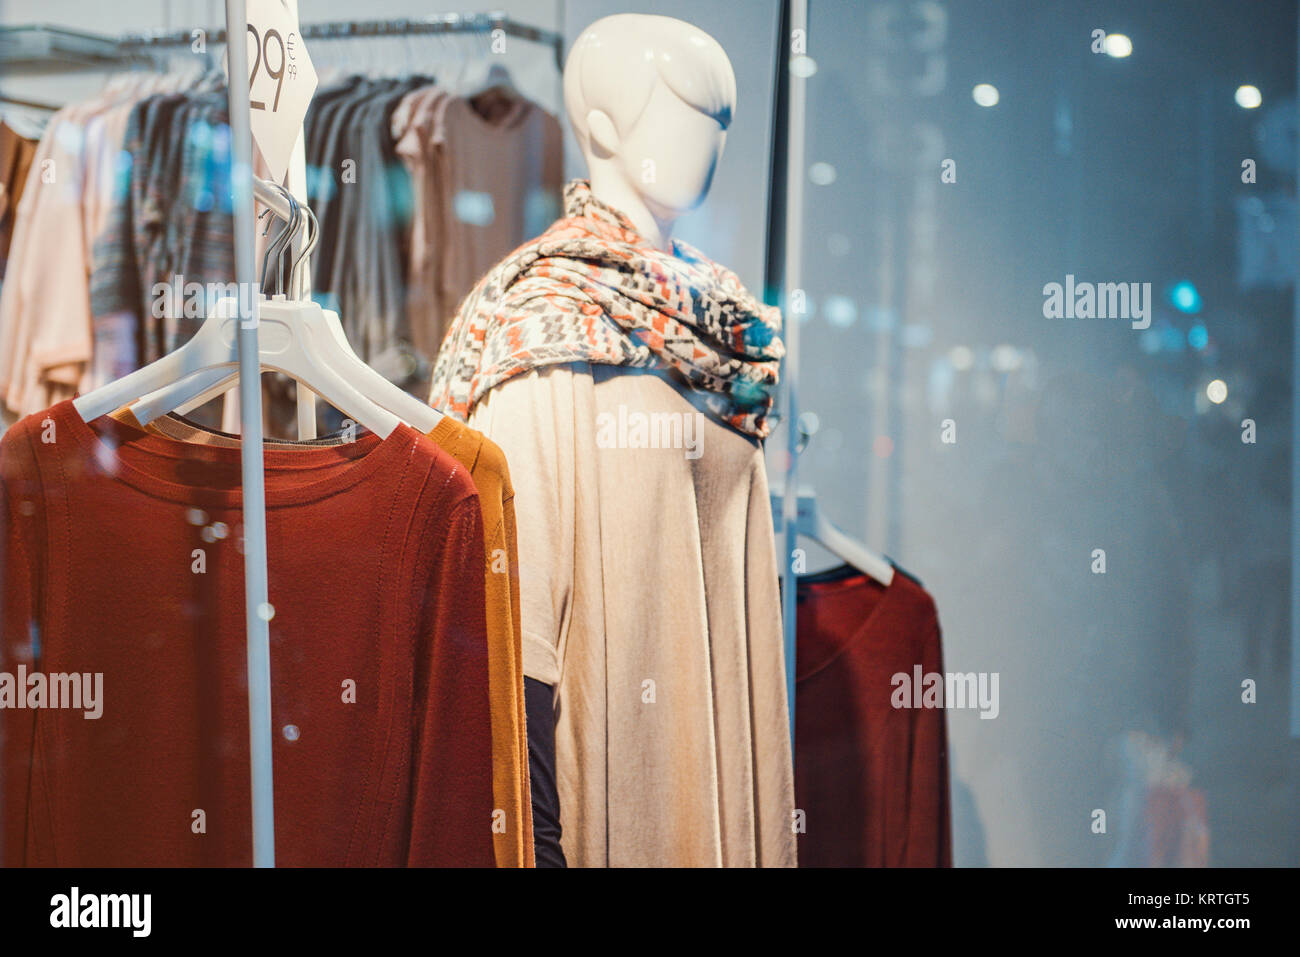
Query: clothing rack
<point>49,48</point>
<point>43,47</point>
<point>29,104</point>
<point>443,23</point>
<point>36,48</point>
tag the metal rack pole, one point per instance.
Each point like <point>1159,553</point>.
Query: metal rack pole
<point>442,23</point>
<point>257,607</point>
<point>296,183</point>
<point>795,129</point>
<point>1295,517</point>
<point>30,104</point>
<point>39,43</point>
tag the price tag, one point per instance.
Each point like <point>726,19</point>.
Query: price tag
<point>281,81</point>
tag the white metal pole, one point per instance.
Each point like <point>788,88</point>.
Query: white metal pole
<point>296,183</point>
<point>794,303</point>
<point>258,609</point>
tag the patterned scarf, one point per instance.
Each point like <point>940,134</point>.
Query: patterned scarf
<point>590,289</point>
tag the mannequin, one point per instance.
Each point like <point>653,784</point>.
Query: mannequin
<point>647,566</point>
<point>652,128</point>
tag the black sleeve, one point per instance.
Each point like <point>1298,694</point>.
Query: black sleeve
<point>539,704</point>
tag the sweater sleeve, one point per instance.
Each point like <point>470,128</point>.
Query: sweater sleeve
<point>531,417</point>
<point>18,612</point>
<point>929,827</point>
<point>451,824</point>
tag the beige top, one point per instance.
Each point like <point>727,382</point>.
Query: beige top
<point>481,186</point>
<point>45,304</point>
<point>46,337</point>
<point>649,598</point>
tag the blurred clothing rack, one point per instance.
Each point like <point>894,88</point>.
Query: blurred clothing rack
<point>43,48</point>
<point>29,104</point>
<point>36,46</point>
<point>442,23</point>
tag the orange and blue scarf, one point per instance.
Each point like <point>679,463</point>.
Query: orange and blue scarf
<point>591,289</point>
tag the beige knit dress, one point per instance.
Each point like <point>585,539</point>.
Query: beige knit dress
<point>649,599</point>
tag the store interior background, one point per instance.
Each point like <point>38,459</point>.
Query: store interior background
<point>926,305</point>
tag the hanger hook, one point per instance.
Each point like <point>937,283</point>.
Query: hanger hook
<point>269,252</point>
<point>312,233</point>
<point>295,225</point>
<point>273,251</point>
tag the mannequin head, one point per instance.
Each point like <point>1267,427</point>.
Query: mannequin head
<point>650,99</point>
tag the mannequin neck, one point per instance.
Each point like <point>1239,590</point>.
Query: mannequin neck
<point>612,189</point>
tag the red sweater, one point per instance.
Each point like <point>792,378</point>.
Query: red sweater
<point>120,554</point>
<point>871,779</point>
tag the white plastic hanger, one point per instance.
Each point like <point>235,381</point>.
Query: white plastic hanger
<point>812,524</point>
<point>289,343</point>
<point>326,332</point>
<point>207,384</point>
<point>294,337</point>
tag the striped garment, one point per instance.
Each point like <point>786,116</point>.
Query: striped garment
<point>171,217</point>
<point>590,289</point>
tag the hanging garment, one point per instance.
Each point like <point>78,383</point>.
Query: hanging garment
<point>361,194</point>
<point>373,247</point>
<point>46,346</point>
<point>414,122</point>
<point>16,154</point>
<point>105,133</point>
<point>491,475</point>
<point>45,342</point>
<point>486,174</point>
<point>47,350</point>
<point>512,832</point>
<point>380,699</point>
<point>871,779</point>
<point>329,170</point>
<point>649,601</point>
<point>164,240</point>
<point>590,289</point>
<point>171,219</point>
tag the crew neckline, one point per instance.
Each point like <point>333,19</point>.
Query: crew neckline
<point>508,121</point>
<point>145,467</point>
<point>840,579</point>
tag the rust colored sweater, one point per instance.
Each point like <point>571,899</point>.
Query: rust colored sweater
<point>120,554</point>
<point>512,830</point>
<point>872,779</point>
